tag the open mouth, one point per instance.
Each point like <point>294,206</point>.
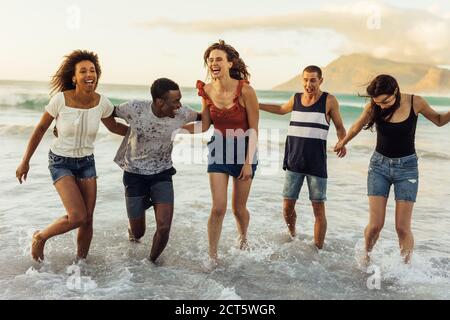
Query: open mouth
<point>89,81</point>
<point>215,71</point>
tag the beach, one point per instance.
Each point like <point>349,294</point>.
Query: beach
<point>275,267</point>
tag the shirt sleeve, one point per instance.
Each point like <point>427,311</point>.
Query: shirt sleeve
<point>108,108</point>
<point>123,111</point>
<point>55,104</point>
<point>190,114</point>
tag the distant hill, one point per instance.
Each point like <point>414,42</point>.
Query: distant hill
<point>351,74</point>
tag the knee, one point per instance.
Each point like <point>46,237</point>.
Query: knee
<point>320,217</point>
<point>239,211</point>
<point>402,231</point>
<point>318,207</point>
<point>288,209</point>
<point>218,211</point>
<point>374,230</point>
<point>137,234</point>
<point>163,230</point>
<point>88,222</point>
<point>78,219</point>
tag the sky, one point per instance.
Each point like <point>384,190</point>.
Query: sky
<point>140,40</point>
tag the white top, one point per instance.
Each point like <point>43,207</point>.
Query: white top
<point>77,128</point>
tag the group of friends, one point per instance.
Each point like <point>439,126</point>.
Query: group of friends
<point>231,105</point>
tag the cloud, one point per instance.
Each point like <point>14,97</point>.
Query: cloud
<point>409,35</point>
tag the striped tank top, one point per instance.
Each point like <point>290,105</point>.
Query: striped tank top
<point>306,142</point>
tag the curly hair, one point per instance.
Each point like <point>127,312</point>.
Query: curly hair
<point>239,69</point>
<point>62,79</point>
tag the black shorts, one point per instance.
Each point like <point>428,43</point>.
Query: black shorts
<point>142,191</point>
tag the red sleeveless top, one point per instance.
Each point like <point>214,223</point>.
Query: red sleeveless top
<point>234,117</point>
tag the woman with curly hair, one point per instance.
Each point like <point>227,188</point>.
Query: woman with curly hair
<point>77,109</point>
<point>231,105</point>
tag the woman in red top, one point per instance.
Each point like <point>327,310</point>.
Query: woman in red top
<point>230,103</point>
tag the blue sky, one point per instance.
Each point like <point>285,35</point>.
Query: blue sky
<point>138,41</point>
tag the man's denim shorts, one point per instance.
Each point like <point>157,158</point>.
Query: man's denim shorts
<point>293,182</point>
<point>80,168</point>
<point>143,191</point>
<point>403,173</point>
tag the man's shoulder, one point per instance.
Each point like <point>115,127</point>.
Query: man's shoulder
<point>185,110</point>
<point>135,103</point>
<point>331,99</point>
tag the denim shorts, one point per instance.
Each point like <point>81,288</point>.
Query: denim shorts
<point>142,191</point>
<point>80,168</point>
<point>403,173</point>
<point>227,155</point>
<point>293,182</point>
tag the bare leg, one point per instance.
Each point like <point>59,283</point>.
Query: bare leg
<point>241,190</point>
<point>290,215</point>
<point>218,183</point>
<point>136,229</point>
<point>88,188</point>
<point>403,214</point>
<point>163,216</point>
<point>320,225</point>
<point>73,202</point>
<point>377,214</point>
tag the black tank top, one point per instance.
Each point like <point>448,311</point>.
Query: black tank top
<point>396,139</point>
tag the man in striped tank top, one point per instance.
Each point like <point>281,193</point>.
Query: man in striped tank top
<point>305,150</point>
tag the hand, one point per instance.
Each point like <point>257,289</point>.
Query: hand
<point>246,172</point>
<point>340,149</point>
<point>22,171</point>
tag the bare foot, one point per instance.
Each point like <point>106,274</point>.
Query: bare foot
<point>406,255</point>
<point>131,237</point>
<point>364,261</point>
<point>37,247</point>
<point>318,245</point>
<point>291,231</point>
<point>243,243</point>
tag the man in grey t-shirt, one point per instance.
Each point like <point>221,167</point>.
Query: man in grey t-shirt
<point>145,155</point>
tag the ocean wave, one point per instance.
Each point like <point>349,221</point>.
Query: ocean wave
<point>36,96</point>
<point>432,155</point>
<point>26,130</point>
<point>15,129</point>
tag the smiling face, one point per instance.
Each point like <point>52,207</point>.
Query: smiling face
<point>218,64</point>
<point>311,82</point>
<point>85,76</point>
<point>170,104</point>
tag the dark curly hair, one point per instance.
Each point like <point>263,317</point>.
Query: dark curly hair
<point>382,84</point>
<point>62,79</point>
<point>239,69</point>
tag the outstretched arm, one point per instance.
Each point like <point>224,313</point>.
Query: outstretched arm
<point>35,139</point>
<point>277,109</point>
<point>354,129</point>
<point>199,126</point>
<point>424,108</point>
<point>115,127</point>
<point>335,116</point>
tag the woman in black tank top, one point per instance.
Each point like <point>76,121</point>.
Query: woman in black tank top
<point>394,162</point>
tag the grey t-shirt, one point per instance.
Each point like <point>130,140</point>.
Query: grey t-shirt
<point>147,147</point>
